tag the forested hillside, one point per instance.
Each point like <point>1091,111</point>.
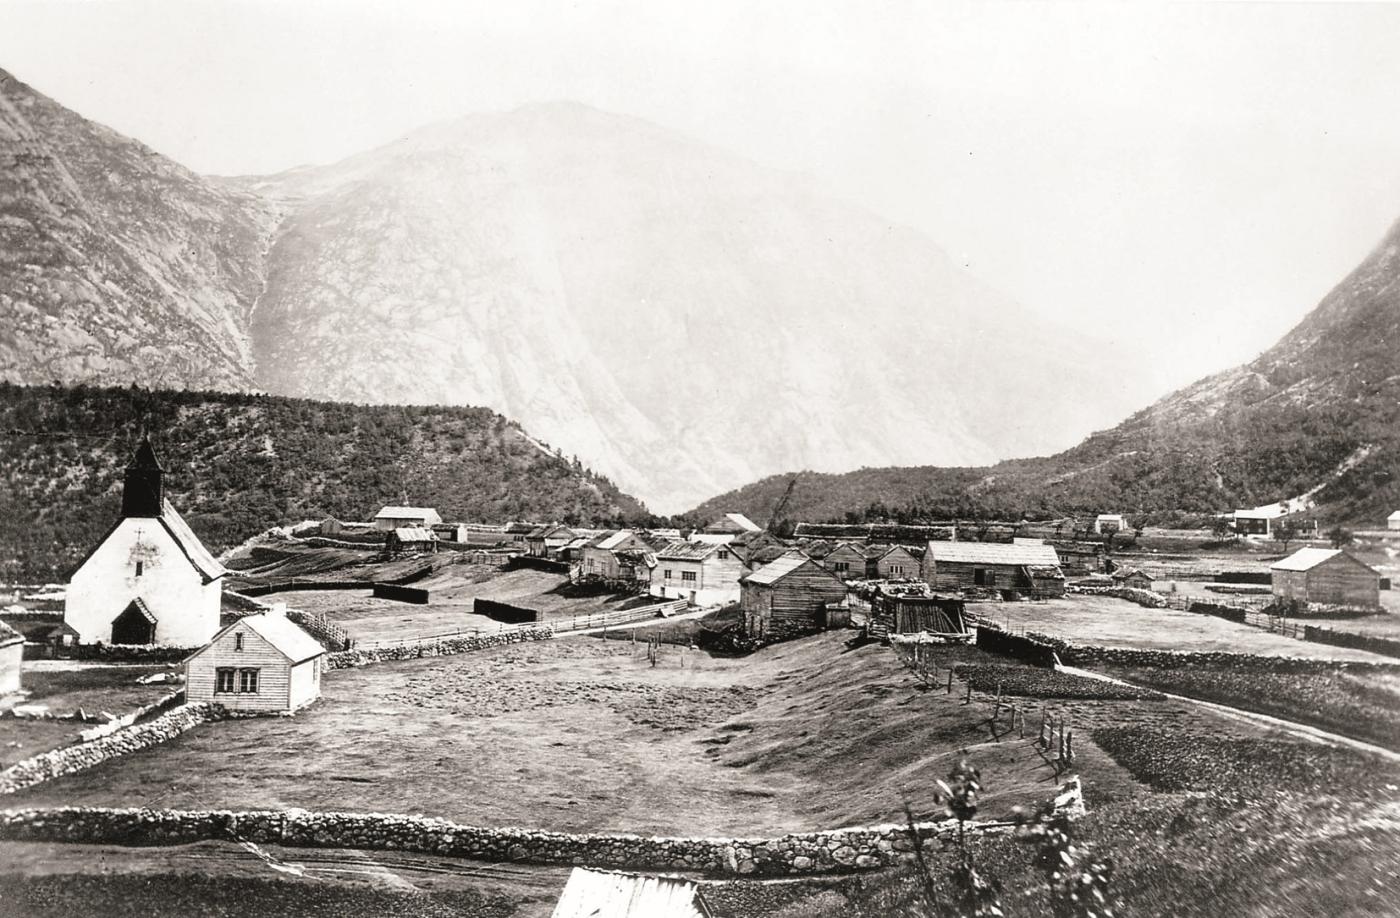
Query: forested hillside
<point>1318,412</point>
<point>236,464</point>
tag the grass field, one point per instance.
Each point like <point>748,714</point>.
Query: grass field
<point>1110,622</point>
<point>66,687</point>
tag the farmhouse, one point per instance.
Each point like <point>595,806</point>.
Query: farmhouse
<point>846,560</point>
<point>1079,559</point>
<point>700,572</point>
<point>598,557</point>
<point>1254,522</point>
<point>149,580</point>
<point>1326,576</point>
<point>406,517</point>
<point>593,893</point>
<point>1392,522</point>
<point>547,541</point>
<point>899,563</point>
<point>1031,569</point>
<point>793,595</point>
<point>407,538</point>
<point>11,655</point>
<point>261,663</point>
<point>1109,522</point>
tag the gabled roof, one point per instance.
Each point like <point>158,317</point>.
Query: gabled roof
<point>993,553</point>
<point>1394,516</point>
<point>593,893</point>
<point>551,530</point>
<point>426,514</point>
<point>9,636</point>
<point>207,565</point>
<point>915,553</point>
<point>733,522</point>
<point>1110,516</point>
<point>414,534</point>
<point>1305,559</point>
<point>687,551</point>
<point>279,631</point>
<point>771,573</point>
<point>610,541</point>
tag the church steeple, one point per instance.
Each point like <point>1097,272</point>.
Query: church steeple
<point>143,491</point>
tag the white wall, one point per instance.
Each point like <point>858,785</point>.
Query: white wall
<point>186,609</point>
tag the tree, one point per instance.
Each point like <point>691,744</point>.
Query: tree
<point>1221,527</point>
<point>1339,537</point>
<point>1285,531</point>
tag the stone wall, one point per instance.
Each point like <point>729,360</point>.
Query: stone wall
<point>838,850</point>
<point>440,648</point>
<point>82,756</point>
<point>1082,654</point>
<point>1145,598</point>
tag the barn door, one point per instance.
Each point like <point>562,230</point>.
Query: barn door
<point>134,626</point>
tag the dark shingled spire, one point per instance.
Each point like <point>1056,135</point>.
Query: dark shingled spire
<point>143,493</point>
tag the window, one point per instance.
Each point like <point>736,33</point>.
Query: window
<point>238,640</point>
<point>688,576</point>
<point>897,570</point>
<point>248,681</point>
<point>223,681</point>
<point>668,573</point>
<point>140,567</point>
<point>841,567</point>
<point>723,555</point>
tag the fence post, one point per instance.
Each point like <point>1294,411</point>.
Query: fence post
<point>950,681</point>
<point>968,699</point>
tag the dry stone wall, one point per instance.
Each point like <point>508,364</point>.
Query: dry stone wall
<point>347,659</point>
<point>1082,654</point>
<point>82,756</point>
<point>834,851</point>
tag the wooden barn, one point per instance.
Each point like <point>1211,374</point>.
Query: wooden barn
<point>11,656</point>
<point>899,563</point>
<point>330,526</point>
<point>591,893</point>
<point>149,580</point>
<point>1327,576</point>
<point>1027,569</point>
<point>942,614</point>
<point>547,541</point>
<point>791,596</point>
<point>261,663</point>
<point>599,556</point>
<point>406,518</point>
<point>1132,577</point>
<point>410,539</point>
<point>704,573</point>
<point>1079,558</point>
<point>846,560</point>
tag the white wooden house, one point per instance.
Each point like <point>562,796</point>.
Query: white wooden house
<point>149,580</point>
<point>1109,522</point>
<point>1392,522</point>
<point>406,517</point>
<point>261,663</point>
<point>701,572</point>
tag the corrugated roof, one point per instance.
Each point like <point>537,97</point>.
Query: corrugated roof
<point>426,514</point>
<point>593,893</point>
<point>1305,559</point>
<point>993,553</point>
<point>204,562</point>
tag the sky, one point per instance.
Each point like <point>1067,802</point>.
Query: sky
<point>1184,180</point>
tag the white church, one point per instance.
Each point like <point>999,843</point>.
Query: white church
<point>150,580</point>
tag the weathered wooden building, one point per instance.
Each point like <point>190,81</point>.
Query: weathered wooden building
<point>899,562</point>
<point>149,580</point>
<point>261,663</point>
<point>941,614</point>
<point>547,541</point>
<point>406,518</point>
<point>732,524</point>
<point>407,538</point>
<point>599,557</point>
<point>793,595</point>
<point>1328,577</point>
<point>704,573</point>
<point>1132,577</point>
<point>1028,569</point>
<point>11,659</point>
<point>846,560</point>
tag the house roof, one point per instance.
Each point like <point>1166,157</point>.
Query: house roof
<point>1110,516</point>
<point>593,893</point>
<point>774,571</point>
<point>1394,516</point>
<point>610,541</point>
<point>733,522</point>
<point>1258,514</point>
<point>551,530</point>
<point>688,551</point>
<point>994,553</point>
<point>1305,559</point>
<point>426,514</point>
<point>207,565</point>
<point>414,534</point>
<point>279,631</point>
<point>915,553</point>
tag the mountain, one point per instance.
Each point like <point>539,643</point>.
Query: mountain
<point>1315,421</point>
<point>237,464</point>
<point>117,264</point>
<point>682,318</point>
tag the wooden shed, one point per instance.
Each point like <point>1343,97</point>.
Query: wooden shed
<point>1132,577</point>
<point>261,663</point>
<point>1327,576</point>
<point>899,563</point>
<point>410,539</point>
<point>1030,569</point>
<point>791,596</point>
<point>941,614</point>
<point>846,560</point>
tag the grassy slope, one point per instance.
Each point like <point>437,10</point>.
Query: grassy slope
<point>237,464</point>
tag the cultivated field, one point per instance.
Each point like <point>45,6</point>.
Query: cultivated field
<point>1110,622</point>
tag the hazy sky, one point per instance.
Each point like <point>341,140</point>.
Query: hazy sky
<point>1188,179</point>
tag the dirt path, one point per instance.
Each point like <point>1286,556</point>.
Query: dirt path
<point>1293,728</point>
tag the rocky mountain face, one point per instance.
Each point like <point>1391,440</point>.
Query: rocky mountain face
<point>117,264</point>
<point>1315,420</point>
<point>680,318</point>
